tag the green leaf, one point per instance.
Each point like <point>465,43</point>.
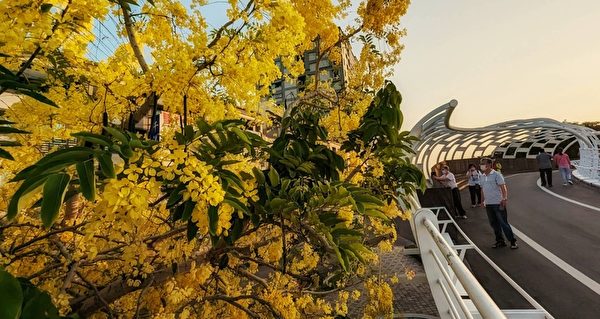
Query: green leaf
<point>11,296</point>
<point>366,198</point>
<point>259,175</point>
<point>67,155</point>
<point>106,164</point>
<point>188,208</point>
<point>126,151</point>
<point>38,304</point>
<point>178,213</point>
<point>7,72</point>
<point>277,203</point>
<point>9,143</point>
<point>213,219</point>
<point>236,230</point>
<point>55,189</point>
<point>11,130</point>
<point>306,167</point>
<point>87,179</point>
<point>192,229</point>
<point>375,213</point>
<point>189,133</point>
<point>203,126</point>
<point>175,195</point>
<point>5,154</point>
<point>341,258</point>
<point>93,138</point>
<point>27,189</point>
<point>241,135</point>
<point>273,177</point>
<point>45,7</point>
<point>345,232</point>
<point>26,89</point>
<point>236,203</point>
<point>39,97</point>
<point>117,134</point>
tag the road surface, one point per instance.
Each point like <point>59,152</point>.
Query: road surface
<point>558,260</point>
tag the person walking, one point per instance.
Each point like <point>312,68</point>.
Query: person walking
<point>449,180</point>
<point>563,162</point>
<point>474,187</point>
<point>544,161</point>
<point>494,194</point>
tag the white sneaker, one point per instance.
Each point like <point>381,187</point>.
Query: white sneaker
<point>571,182</point>
<point>565,184</point>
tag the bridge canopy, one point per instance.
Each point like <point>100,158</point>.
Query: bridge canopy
<point>440,141</point>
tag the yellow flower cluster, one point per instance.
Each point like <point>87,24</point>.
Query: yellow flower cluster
<point>202,186</point>
<point>307,261</point>
<point>130,196</point>
<point>380,300</point>
<point>347,214</point>
<point>272,251</point>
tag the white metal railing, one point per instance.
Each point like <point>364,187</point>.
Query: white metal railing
<point>447,279</point>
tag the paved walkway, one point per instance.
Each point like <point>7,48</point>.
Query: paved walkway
<point>410,296</point>
<point>558,262</point>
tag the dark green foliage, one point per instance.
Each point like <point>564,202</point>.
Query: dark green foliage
<point>19,298</point>
<point>380,134</point>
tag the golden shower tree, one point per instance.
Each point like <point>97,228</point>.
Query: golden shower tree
<point>212,220</point>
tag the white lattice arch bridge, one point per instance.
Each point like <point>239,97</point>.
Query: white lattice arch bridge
<point>441,141</point>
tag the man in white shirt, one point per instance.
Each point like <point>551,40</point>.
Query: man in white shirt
<point>449,180</point>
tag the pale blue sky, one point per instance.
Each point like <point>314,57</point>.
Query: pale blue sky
<point>501,60</point>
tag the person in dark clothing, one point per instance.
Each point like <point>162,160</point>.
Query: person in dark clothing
<point>544,161</point>
<point>473,175</point>
<point>449,180</point>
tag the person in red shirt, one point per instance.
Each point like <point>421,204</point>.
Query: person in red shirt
<point>563,162</point>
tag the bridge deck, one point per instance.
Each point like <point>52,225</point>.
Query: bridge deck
<point>568,231</point>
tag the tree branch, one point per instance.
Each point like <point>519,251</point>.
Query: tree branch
<point>358,168</point>
<point>48,234</point>
<point>131,36</point>
<point>87,305</point>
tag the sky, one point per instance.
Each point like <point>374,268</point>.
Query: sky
<point>502,60</point>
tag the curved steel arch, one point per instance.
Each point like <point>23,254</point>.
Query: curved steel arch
<point>439,140</point>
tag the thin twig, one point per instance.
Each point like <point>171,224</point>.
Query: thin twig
<point>48,234</point>
<point>70,276</point>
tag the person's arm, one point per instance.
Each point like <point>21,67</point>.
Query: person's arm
<point>482,196</point>
<point>441,178</point>
<point>504,191</point>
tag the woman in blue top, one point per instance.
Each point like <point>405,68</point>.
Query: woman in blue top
<point>473,176</point>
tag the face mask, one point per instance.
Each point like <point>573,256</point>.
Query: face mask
<point>483,167</point>
<point>444,171</point>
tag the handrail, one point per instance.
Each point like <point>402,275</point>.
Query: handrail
<point>484,303</point>
<point>461,302</point>
<point>427,218</point>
